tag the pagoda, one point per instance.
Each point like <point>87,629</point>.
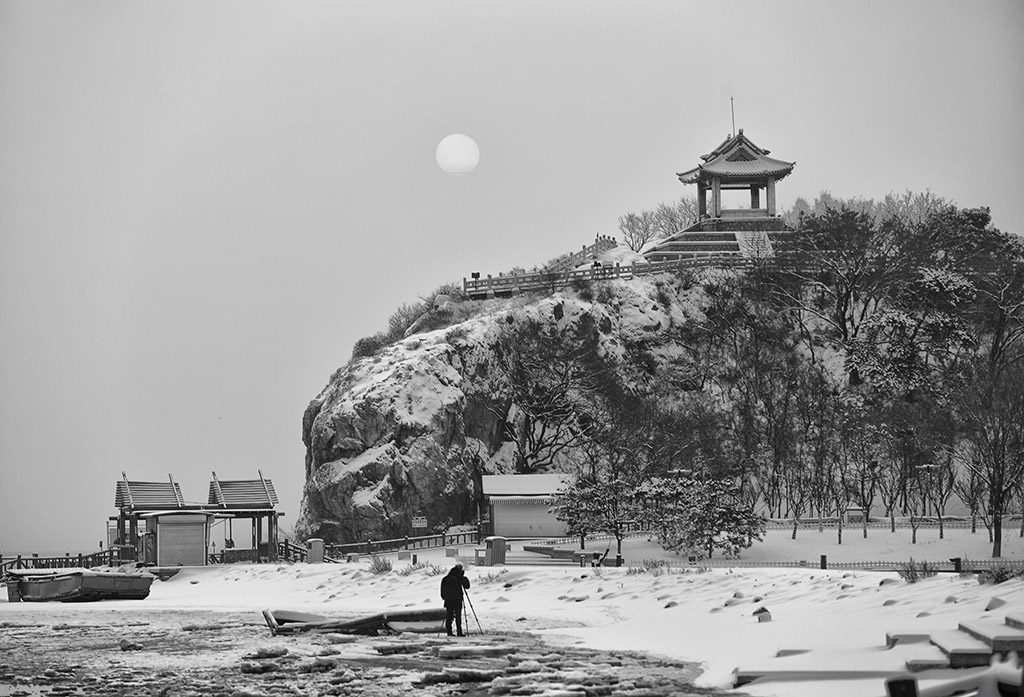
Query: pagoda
<point>729,232</point>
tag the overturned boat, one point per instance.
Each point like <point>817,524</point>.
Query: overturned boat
<point>424,621</point>
<point>76,585</point>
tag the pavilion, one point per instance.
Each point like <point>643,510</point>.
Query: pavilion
<point>744,232</point>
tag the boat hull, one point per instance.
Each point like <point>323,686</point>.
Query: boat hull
<point>81,586</point>
<point>289,622</point>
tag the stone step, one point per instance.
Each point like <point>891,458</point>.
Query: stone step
<point>918,665</point>
<point>911,636</point>
<point>798,665</point>
<point>1015,620</point>
<point>964,651</point>
<point>1000,636</point>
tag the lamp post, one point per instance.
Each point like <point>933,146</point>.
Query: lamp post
<point>928,469</point>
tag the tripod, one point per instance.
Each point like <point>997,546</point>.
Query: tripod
<point>468,600</point>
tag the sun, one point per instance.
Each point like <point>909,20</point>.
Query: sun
<point>457,154</point>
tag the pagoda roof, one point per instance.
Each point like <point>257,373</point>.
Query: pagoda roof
<point>737,159</point>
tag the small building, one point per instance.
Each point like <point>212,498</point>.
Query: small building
<point>518,504</point>
<point>741,232</point>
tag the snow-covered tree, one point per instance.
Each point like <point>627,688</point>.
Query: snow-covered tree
<point>700,516</point>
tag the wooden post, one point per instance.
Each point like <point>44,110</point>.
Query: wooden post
<point>770,195</point>
<point>716,197</point>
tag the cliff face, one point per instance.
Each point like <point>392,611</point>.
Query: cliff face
<point>394,435</point>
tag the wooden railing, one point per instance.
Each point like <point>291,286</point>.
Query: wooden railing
<point>602,243</point>
<point>521,282</point>
<point>289,551</point>
<point>110,557</point>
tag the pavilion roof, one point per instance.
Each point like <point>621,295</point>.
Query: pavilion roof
<point>737,159</point>
<point>242,493</point>
<point>148,496</point>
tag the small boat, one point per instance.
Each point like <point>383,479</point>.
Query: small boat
<point>77,585</point>
<point>424,621</point>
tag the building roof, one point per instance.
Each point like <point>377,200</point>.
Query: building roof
<point>737,158</point>
<point>242,493</point>
<point>523,484</point>
<point>148,495</point>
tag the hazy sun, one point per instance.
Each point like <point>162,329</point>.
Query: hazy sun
<point>457,154</point>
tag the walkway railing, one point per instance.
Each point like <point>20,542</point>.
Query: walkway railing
<point>602,243</point>
<point>110,557</point>
<point>340,552</point>
<point>553,280</point>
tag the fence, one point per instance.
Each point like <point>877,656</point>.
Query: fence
<point>951,566</point>
<point>110,557</point>
<point>339,552</point>
<point>550,280</point>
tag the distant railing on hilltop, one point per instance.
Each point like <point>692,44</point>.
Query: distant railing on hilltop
<point>553,280</point>
<point>566,262</point>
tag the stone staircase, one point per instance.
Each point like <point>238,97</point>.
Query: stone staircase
<point>972,644</point>
<point>975,644</point>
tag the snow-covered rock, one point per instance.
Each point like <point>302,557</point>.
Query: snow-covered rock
<point>393,435</point>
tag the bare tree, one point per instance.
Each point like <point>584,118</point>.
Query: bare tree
<point>993,414</point>
<point>533,378</point>
<point>670,219</point>
<point>637,229</point>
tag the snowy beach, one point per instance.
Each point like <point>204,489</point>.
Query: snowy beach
<point>701,622</point>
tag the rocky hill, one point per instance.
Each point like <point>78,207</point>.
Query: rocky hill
<point>410,430</point>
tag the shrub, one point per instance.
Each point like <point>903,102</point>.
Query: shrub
<point>912,571</point>
<point>434,570</point>
<point>368,345</point>
<point>491,578</point>
<point>380,565</point>
<point>655,567</point>
<point>583,288</point>
<point>1000,574</point>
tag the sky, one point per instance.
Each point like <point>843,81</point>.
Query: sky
<point>204,205</point>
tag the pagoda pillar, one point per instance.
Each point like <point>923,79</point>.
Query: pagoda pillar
<point>770,195</point>
<point>755,196</point>
<point>716,197</point>
<point>702,200</point>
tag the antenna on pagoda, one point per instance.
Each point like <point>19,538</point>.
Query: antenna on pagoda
<point>732,108</point>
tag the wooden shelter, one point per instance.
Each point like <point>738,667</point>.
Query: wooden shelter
<point>253,499</point>
<point>166,530</point>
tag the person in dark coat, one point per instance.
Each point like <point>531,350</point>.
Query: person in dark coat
<point>452,587</point>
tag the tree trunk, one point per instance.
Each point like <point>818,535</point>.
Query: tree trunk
<point>892,521</point>
<point>974,523</point>
<point>796,522</point>
<point>865,526</point>
<point>997,532</point>
<point>839,532</point>
<point>942,527</point>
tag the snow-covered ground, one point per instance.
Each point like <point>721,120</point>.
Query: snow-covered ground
<point>706,616</point>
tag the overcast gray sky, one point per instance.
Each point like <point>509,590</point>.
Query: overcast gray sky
<point>203,205</point>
